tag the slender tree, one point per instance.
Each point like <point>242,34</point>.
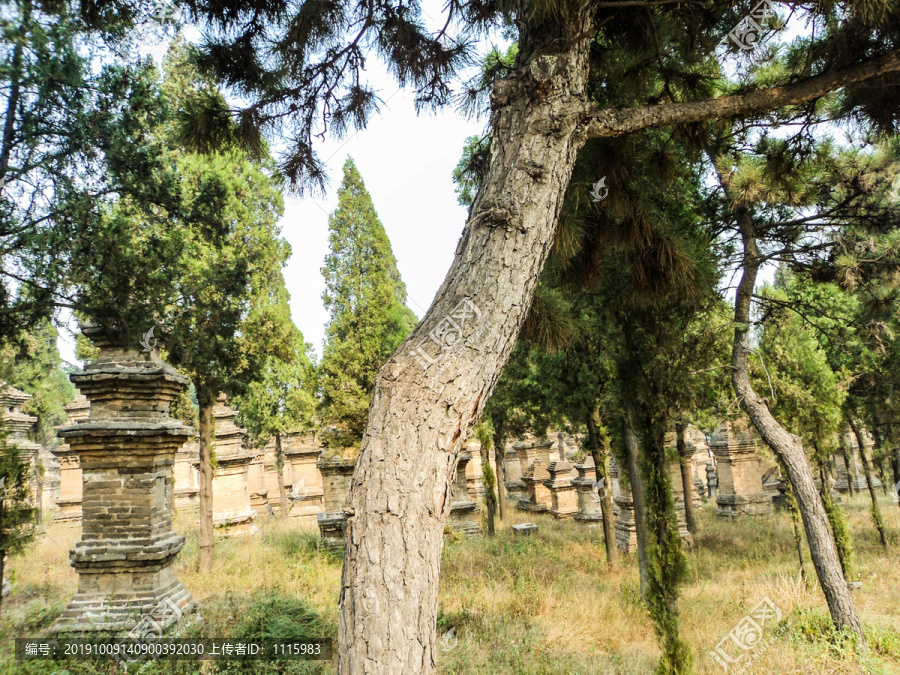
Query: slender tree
<point>367,302</point>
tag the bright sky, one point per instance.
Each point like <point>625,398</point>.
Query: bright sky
<point>406,161</point>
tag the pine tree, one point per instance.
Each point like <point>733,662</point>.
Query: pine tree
<point>367,302</point>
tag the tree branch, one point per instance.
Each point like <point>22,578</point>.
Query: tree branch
<point>608,122</point>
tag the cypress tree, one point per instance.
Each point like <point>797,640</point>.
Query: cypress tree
<point>367,302</point>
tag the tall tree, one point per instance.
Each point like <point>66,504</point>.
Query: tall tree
<point>367,302</point>
<point>542,115</point>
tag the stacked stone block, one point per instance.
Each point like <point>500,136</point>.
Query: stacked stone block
<point>563,494</point>
<point>464,513</point>
<point>17,425</point>
<point>337,476</point>
<point>307,495</point>
<point>233,513</point>
<point>589,510</point>
<point>740,470</point>
<point>68,502</point>
<point>126,450</point>
<point>534,457</point>
<point>187,477</point>
<point>855,471</point>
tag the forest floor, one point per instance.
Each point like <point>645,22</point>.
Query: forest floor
<point>544,603</point>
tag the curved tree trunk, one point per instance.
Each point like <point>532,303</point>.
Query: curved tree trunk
<point>600,456</point>
<point>638,499</point>
<point>425,401</point>
<point>788,447</point>
<point>859,432</point>
<point>206,400</point>
<point>687,481</point>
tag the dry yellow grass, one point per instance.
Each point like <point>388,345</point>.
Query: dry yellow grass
<point>540,604</point>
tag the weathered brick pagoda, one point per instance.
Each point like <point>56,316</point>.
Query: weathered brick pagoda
<point>126,450</point>
<point>69,500</point>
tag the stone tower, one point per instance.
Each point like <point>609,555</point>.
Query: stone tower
<point>126,449</point>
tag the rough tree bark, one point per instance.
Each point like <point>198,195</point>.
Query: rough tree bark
<point>206,399</point>
<point>600,455</point>
<point>425,403</point>
<point>787,446</point>
<point>859,432</point>
<point>638,499</point>
<point>687,481</point>
<point>279,469</point>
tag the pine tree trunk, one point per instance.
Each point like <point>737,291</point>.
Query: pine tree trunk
<point>836,518</point>
<point>206,400</point>
<point>499,458</point>
<point>600,455</point>
<point>858,431</point>
<point>279,469</point>
<point>845,451</point>
<point>788,447</point>
<point>490,497</point>
<point>639,500</point>
<point>687,481</point>
<point>424,403</point>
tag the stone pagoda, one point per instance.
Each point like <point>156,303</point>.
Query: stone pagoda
<point>740,470</point>
<point>17,425</point>
<point>464,513</point>
<point>589,510</point>
<point>512,475</point>
<point>187,477</point>
<point>534,458</point>
<point>126,449</point>
<point>69,500</point>
<point>233,513</point>
<point>337,477</point>
<point>307,495</point>
<point>563,495</point>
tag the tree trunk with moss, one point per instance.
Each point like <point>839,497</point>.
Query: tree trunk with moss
<point>600,455</point>
<point>859,432</point>
<point>206,400</point>
<point>639,501</point>
<point>687,480</point>
<point>788,447</point>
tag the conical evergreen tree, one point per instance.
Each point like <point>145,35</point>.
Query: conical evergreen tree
<point>367,302</point>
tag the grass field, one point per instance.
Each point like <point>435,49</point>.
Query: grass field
<point>517,605</point>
